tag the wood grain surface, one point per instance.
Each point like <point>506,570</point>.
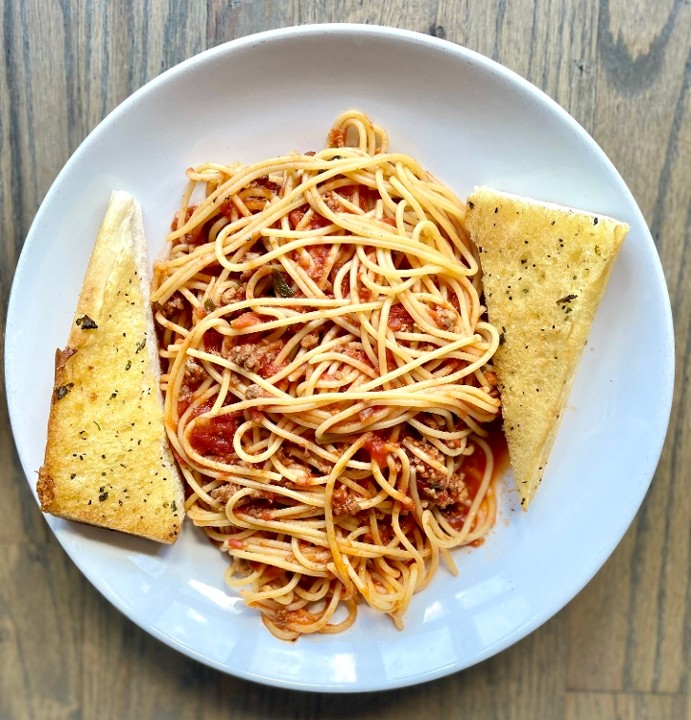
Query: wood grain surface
<point>622,648</point>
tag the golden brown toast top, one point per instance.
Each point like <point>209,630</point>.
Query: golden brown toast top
<point>107,459</point>
<point>545,268</point>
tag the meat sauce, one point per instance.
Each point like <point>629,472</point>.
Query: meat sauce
<point>316,220</point>
<point>474,470</point>
<point>400,318</point>
<point>213,340</point>
<point>214,436</point>
<point>378,449</point>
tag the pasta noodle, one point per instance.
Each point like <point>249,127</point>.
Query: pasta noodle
<point>327,376</point>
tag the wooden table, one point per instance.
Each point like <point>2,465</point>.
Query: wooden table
<point>622,648</point>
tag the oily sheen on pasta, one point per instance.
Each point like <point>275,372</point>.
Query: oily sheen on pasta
<point>327,376</point>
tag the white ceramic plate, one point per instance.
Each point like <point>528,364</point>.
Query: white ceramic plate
<point>469,121</point>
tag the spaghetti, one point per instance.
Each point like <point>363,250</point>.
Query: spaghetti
<point>327,377</point>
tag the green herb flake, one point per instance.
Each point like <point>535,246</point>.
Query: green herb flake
<point>86,323</point>
<point>63,390</point>
<point>281,287</point>
<point>566,299</point>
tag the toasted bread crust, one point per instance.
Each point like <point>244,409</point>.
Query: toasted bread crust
<point>545,268</point>
<point>107,458</point>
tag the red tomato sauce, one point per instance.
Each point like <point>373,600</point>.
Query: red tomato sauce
<point>213,341</point>
<point>474,469</point>
<point>214,436</point>
<point>399,318</point>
